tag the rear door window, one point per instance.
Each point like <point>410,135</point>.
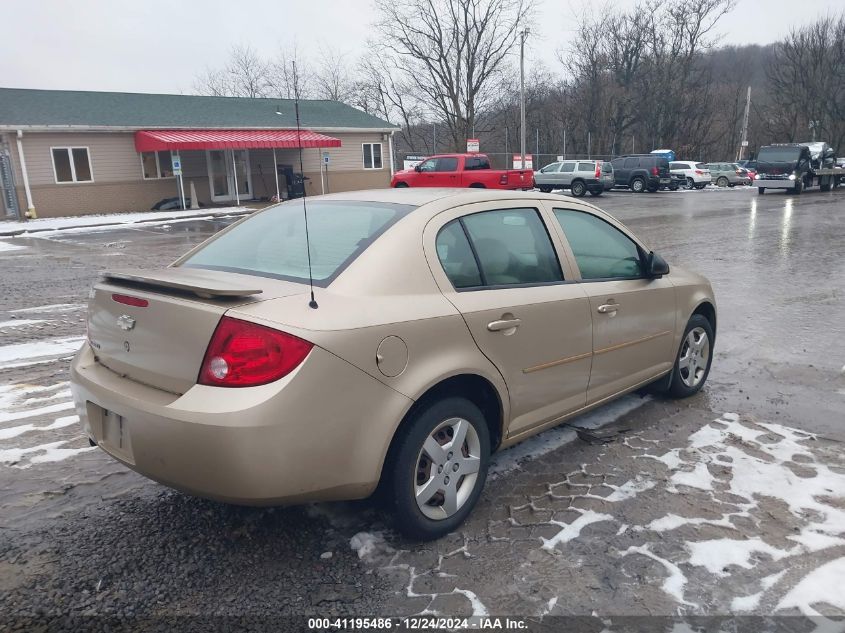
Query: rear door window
<point>509,247</point>
<point>447,163</point>
<point>456,256</point>
<point>631,163</point>
<point>601,250</point>
<point>586,167</point>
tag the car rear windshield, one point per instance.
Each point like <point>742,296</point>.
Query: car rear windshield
<point>778,154</point>
<point>271,243</point>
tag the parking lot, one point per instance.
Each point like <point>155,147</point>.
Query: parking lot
<point>730,502</point>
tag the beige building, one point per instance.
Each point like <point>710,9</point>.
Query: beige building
<point>74,153</point>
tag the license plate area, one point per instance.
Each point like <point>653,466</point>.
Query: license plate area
<point>115,438</point>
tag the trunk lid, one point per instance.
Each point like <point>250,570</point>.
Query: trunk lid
<point>154,326</point>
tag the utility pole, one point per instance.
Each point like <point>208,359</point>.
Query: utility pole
<point>522,36</point>
<point>743,141</point>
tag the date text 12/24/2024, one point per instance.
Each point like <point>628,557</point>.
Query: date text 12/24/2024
<point>418,623</point>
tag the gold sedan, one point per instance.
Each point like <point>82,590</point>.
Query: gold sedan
<point>445,324</point>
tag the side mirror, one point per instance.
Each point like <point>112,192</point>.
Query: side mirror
<point>656,266</point>
<point>417,168</point>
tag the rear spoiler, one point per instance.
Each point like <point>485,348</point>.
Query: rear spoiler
<point>203,283</point>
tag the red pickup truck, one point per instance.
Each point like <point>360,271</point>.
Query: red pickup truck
<point>462,170</point>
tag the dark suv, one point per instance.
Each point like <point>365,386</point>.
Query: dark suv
<point>641,172</point>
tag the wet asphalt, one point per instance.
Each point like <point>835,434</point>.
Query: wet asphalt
<point>84,537</point>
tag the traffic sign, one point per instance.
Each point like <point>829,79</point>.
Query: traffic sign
<point>472,145</point>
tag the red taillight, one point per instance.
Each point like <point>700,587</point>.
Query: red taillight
<point>503,179</point>
<point>699,172</point>
<point>245,354</point>
<point>598,170</point>
<point>130,301</point>
<point>654,171</point>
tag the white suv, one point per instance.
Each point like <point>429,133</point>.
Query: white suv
<point>697,174</point>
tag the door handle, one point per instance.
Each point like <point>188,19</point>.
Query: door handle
<point>503,324</point>
<point>608,308</point>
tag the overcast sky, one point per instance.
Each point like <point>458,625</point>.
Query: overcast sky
<point>161,45</point>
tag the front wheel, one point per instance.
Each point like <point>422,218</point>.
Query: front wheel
<point>690,184</point>
<point>401,185</point>
<point>798,188</point>
<point>578,188</point>
<point>761,190</point>
<point>439,468</point>
<point>692,364</point>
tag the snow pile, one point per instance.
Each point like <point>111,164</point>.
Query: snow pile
<point>23,354</point>
<point>7,247</point>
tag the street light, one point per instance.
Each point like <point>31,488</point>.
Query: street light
<point>522,36</point>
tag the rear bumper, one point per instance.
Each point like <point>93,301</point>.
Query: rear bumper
<point>320,433</point>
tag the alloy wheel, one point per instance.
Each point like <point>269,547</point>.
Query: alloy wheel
<point>695,354</point>
<point>447,468</point>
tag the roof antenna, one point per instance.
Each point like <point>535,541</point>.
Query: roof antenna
<point>313,302</point>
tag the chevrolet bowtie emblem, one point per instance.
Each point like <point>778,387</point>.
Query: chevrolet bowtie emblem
<point>125,322</point>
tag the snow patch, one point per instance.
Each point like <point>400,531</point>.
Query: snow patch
<point>39,349</point>
<point>573,530</point>
<point>32,413</point>
<point>717,554</point>
<point>823,584</point>
<point>674,583</point>
<point>369,544</point>
<point>49,453</point>
<point>13,323</point>
<point>699,477</point>
<point>59,423</point>
<point>551,439</point>
<point>53,307</point>
<point>7,247</point>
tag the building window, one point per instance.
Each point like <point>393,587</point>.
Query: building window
<point>156,165</point>
<point>71,164</point>
<point>372,156</point>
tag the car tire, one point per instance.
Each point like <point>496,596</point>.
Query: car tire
<point>638,185</point>
<point>761,191</point>
<point>412,468</point>
<point>798,188</point>
<point>401,185</point>
<point>688,375</point>
<point>596,193</point>
<point>721,181</point>
<point>690,184</point>
<point>731,185</point>
<point>578,188</point>
<point>827,185</point>
<point>545,188</point>
<point>477,185</point>
<point>701,186</point>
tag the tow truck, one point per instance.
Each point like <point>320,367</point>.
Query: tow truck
<point>797,166</point>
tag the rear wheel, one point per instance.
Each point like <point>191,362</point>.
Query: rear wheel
<point>477,185</point>
<point>828,182</point>
<point>545,188</point>
<point>578,188</point>
<point>721,181</point>
<point>596,192</point>
<point>692,364</point>
<point>638,185</point>
<point>438,468</point>
<point>701,186</point>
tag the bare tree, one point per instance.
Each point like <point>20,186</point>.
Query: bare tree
<point>244,75</point>
<point>289,74</point>
<point>452,52</point>
<point>334,78</point>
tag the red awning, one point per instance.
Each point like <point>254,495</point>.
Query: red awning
<point>157,140</point>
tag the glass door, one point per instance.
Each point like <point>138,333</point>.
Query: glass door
<point>218,175</point>
<point>229,174</point>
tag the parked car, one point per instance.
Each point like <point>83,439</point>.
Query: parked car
<point>462,170</point>
<point>696,175</point>
<point>641,172</point>
<point>750,166</point>
<point>579,176</point>
<point>227,375</point>
<point>728,174</point>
